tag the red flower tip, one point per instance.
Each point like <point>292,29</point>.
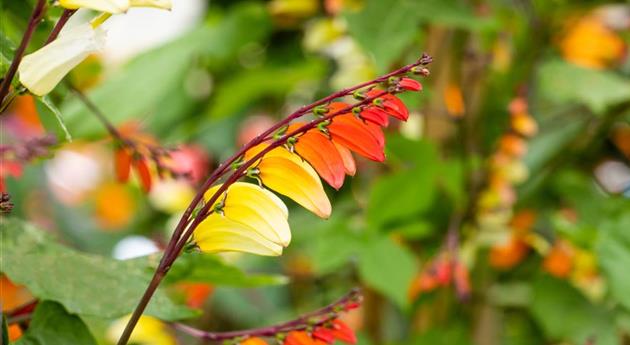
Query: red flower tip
<point>122,164</point>
<point>375,115</point>
<point>343,332</point>
<point>410,84</point>
<point>324,334</point>
<point>392,104</point>
<point>351,305</point>
<point>142,169</point>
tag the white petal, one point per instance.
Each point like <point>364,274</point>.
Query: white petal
<point>42,70</point>
<point>109,6</point>
<point>163,4</point>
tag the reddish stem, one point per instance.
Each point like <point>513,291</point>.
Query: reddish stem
<point>36,16</point>
<point>313,319</point>
<point>60,24</point>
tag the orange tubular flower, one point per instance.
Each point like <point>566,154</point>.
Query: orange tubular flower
<point>326,335</point>
<point>287,174</point>
<point>254,341</point>
<point>142,169</point>
<point>298,338</point>
<point>349,131</point>
<point>376,115</point>
<point>348,161</point>
<point>122,164</point>
<point>317,149</point>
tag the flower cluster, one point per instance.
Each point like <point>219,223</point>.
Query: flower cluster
<point>442,271</point>
<point>12,157</point>
<point>247,217</point>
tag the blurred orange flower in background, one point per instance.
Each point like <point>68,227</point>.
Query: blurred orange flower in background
<point>588,42</point>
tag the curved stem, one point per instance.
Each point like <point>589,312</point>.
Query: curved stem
<point>65,16</point>
<point>312,319</point>
<point>36,16</point>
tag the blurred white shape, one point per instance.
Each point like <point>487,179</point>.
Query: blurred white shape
<point>171,196</point>
<point>71,174</point>
<point>413,128</point>
<point>143,28</point>
<point>134,246</point>
<point>613,176</point>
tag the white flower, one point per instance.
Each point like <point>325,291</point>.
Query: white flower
<point>109,6</point>
<point>42,70</point>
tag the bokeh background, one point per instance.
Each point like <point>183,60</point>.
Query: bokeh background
<point>501,216</point>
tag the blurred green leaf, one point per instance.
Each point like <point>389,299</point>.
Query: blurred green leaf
<point>82,283</point>
<point>564,313</point>
<point>5,330</point>
<point>51,119</point>
<point>53,325</point>
<point>387,267</point>
<point>404,193</point>
<point>384,29</point>
<point>452,13</point>
<point>334,245</point>
<point>207,268</point>
<point>236,93</point>
<point>7,49</point>
<point>561,83</point>
<point>142,87</point>
<point>613,251</point>
<point>452,335</point>
<point>415,230</point>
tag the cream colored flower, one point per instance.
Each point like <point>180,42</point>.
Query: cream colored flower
<point>109,6</point>
<point>163,4</point>
<point>42,70</point>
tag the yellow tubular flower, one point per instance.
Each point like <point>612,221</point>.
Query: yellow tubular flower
<point>218,233</point>
<point>42,70</point>
<point>287,174</point>
<point>257,208</point>
<point>109,6</point>
<point>163,4</point>
<point>149,331</point>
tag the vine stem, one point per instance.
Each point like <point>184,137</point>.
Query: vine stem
<point>65,16</point>
<point>187,225</point>
<point>312,319</point>
<point>38,13</point>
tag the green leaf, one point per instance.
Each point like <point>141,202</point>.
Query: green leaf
<point>7,49</point>
<point>207,268</point>
<point>561,83</point>
<point>83,284</point>
<point>51,118</point>
<point>564,313</point>
<point>53,325</point>
<point>241,90</point>
<point>387,267</point>
<point>384,29</point>
<point>613,251</point>
<point>405,193</point>
<point>5,330</point>
<point>141,88</point>
<point>452,13</point>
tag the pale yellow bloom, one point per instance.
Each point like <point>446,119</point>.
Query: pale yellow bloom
<point>109,6</point>
<point>163,4</point>
<point>247,218</point>
<point>148,331</point>
<point>286,173</point>
<point>42,70</point>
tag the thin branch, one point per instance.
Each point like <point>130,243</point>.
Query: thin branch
<point>60,24</point>
<point>36,16</point>
<point>313,319</point>
<point>98,113</point>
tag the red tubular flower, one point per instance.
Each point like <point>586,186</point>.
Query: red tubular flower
<point>122,164</point>
<point>375,115</point>
<point>349,131</point>
<point>342,332</point>
<point>324,334</point>
<point>391,104</point>
<point>410,84</point>
<point>298,338</point>
<point>317,149</point>
<point>461,279</point>
<point>142,169</point>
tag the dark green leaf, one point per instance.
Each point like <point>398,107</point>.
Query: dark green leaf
<point>83,284</point>
<point>53,325</point>
<point>52,119</point>
<point>207,268</point>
